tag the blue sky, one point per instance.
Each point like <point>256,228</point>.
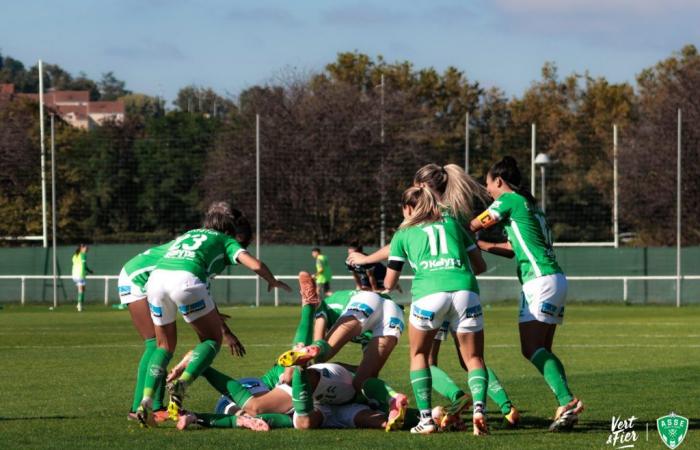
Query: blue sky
<point>158,46</point>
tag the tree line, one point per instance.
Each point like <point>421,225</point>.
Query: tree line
<point>339,146</point>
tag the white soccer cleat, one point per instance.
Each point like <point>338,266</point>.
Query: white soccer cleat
<point>567,416</point>
<point>425,426</point>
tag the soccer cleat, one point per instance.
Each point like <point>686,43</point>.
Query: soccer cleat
<point>567,416</point>
<point>425,426</point>
<point>512,419</point>
<point>397,412</point>
<point>161,415</point>
<point>252,423</point>
<point>298,356</point>
<point>307,289</point>
<point>176,389</point>
<point>479,422</point>
<point>185,420</point>
<point>144,415</point>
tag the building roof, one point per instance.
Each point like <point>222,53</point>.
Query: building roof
<point>116,107</point>
<point>6,88</point>
<point>67,97</point>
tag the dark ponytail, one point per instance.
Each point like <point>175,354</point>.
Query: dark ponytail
<point>507,170</point>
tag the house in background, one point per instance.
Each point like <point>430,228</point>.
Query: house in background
<point>74,107</point>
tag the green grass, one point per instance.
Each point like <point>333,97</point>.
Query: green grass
<point>67,379</point>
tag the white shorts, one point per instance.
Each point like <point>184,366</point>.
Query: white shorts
<point>443,332</point>
<point>128,291</point>
<point>543,299</point>
<point>337,416</point>
<point>170,291</point>
<point>79,281</point>
<point>462,309</point>
<point>334,384</point>
<point>377,314</point>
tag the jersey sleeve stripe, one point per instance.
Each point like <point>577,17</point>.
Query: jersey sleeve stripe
<point>237,254</point>
<point>397,258</point>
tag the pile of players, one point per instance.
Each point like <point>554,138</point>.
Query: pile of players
<point>440,238</point>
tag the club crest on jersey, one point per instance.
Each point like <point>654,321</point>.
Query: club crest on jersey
<point>672,429</point>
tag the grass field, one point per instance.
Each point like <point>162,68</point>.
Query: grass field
<point>67,379</point>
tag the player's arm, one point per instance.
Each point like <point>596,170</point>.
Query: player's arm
<point>262,270</point>
<point>483,221</point>
<point>229,338</point>
<point>497,248</point>
<point>372,280</point>
<point>361,259</point>
<point>397,258</point>
<point>320,327</point>
<point>476,260</point>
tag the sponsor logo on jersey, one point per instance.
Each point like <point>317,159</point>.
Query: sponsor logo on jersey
<point>124,290</point>
<point>194,307</point>
<point>156,311</point>
<point>672,429</point>
<point>366,310</point>
<point>179,254</point>
<point>548,308</point>
<point>422,314</point>
<point>473,312</point>
<point>395,322</point>
<point>442,263</point>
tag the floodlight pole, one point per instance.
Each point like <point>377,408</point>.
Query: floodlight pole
<point>616,231</point>
<point>466,143</point>
<point>543,176</point>
<point>533,135</point>
<point>53,214</point>
<point>43,156</point>
<point>257,203</point>
<point>382,213</point>
<point>678,214</point>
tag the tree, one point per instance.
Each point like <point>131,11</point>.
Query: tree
<point>111,88</point>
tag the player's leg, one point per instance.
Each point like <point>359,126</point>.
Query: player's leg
<point>309,301</point>
<point>80,285</point>
<point>467,321</point>
<point>278,400</point>
<point>305,416</point>
<point>541,310</point>
<point>198,309</point>
<point>141,318</point>
<point>230,421</point>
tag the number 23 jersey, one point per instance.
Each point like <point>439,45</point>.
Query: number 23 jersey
<point>202,252</point>
<point>528,234</point>
<point>438,254</point>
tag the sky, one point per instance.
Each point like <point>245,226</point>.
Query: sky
<point>159,46</point>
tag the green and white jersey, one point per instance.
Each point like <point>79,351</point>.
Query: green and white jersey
<point>438,254</point>
<point>139,268</point>
<point>528,234</point>
<point>202,252</point>
<point>332,308</point>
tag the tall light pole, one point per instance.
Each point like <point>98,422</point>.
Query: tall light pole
<point>542,160</point>
<point>382,194</point>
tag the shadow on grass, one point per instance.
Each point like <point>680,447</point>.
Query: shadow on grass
<point>7,419</point>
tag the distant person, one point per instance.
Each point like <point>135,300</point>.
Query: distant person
<point>80,270</point>
<point>323,274</point>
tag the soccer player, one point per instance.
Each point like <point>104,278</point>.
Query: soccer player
<point>368,277</point>
<point>323,274</point>
<point>80,270</point>
<point>132,292</point>
<point>543,282</point>
<point>445,260</point>
<point>180,282</point>
<point>359,316</point>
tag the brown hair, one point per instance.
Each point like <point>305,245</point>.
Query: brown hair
<point>457,191</point>
<point>223,218</point>
<point>424,204</point>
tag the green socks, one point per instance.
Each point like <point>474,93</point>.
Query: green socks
<point>302,396</point>
<point>378,392</point>
<point>81,297</point>
<point>444,385</point>
<point>149,346</point>
<point>202,357</point>
<point>325,349</point>
<point>305,328</point>
<point>478,381</point>
<point>229,421</point>
<point>155,372</point>
<point>227,386</point>
<point>421,382</point>
<point>553,370</point>
<point>497,393</point>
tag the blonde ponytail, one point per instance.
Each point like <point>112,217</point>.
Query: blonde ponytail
<point>424,204</point>
<point>457,191</point>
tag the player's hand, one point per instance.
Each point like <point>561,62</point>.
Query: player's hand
<point>357,259</point>
<point>278,284</point>
<point>176,371</point>
<point>483,245</point>
<point>286,376</point>
<point>234,344</point>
